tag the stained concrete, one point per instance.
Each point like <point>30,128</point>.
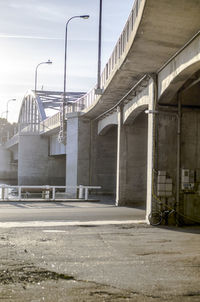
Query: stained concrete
<point>8,167</point>
<point>104,159</point>
<point>133,162</point>
<point>35,166</point>
<point>109,263</point>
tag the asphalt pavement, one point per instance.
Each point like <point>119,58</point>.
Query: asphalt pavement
<point>67,212</point>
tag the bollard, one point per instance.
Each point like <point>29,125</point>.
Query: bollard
<point>53,193</point>
<point>80,192</point>
<point>86,193</point>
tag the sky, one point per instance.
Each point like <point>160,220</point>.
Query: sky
<point>32,31</point>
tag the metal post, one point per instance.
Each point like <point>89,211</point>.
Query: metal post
<point>48,62</point>
<point>19,193</point>
<point>99,47</point>
<point>80,192</point>
<point>86,193</point>
<point>62,131</point>
<point>53,193</point>
<point>178,159</point>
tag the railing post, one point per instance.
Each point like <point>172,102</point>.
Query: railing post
<point>3,193</point>
<point>80,192</point>
<point>53,193</point>
<point>19,193</point>
<point>86,193</point>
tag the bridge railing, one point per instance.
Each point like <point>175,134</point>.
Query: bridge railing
<point>12,141</point>
<point>88,99</point>
<point>50,123</point>
<point>20,193</point>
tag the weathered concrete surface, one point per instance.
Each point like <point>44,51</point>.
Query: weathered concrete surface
<point>104,159</point>
<point>110,263</point>
<point>166,156</point>
<point>133,162</point>
<point>35,166</point>
<point>178,71</point>
<point>77,151</point>
<point>160,30</point>
<point>8,168</point>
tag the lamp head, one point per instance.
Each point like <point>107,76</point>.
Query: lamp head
<point>84,16</point>
<point>49,62</point>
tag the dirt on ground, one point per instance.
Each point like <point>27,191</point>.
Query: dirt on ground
<point>108,263</point>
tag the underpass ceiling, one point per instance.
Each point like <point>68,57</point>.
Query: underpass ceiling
<point>165,26</point>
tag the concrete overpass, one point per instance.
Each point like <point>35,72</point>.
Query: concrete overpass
<point>148,159</point>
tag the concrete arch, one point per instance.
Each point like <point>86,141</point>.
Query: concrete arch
<point>159,30</point>
<point>107,122</point>
<point>136,106</point>
<point>178,71</point>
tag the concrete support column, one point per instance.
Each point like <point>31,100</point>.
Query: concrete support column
<point>72,154</point>
<point>150,149</point>
<point>121,159</point>
<point>77,152</point>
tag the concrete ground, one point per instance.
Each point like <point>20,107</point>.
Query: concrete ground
<point>100,263</point>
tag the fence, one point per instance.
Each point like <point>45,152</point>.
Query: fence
<point>48,193</point>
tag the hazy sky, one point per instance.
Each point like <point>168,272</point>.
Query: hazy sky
<point>32,31</point>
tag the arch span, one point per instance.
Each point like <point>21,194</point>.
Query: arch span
<point>172,77</point>
<point>138,104</point>
<point>31,112</point>
<point>107,122</point>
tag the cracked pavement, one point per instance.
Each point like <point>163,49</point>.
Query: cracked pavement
<point>100,263</point>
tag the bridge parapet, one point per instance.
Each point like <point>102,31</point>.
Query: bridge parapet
<point>112,65</point>
<point>50,123</point>
<point>12,141</point>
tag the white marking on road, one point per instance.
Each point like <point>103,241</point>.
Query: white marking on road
<point>16,224</point>
<point>53,231</point>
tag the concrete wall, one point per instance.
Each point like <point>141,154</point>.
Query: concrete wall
<point>56,148</point>
<point>35,166</point>
<point>8,169</point>
<point>190,159</point>
<point>104,159</point>
<point>133,162</point>
<point>166,147</point>
<point>166,158</point>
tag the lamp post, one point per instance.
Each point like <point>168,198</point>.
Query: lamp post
<point>7,107</point>
<point>65,58</point>
<point>47,62</point>
<point>98,89</point>
<point>61,134</point>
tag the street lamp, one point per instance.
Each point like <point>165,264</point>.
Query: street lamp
<point>7,107</point>
<point>65,58</point>
<point>61,134</point>
<point>98,90</point>
<point>48,62</point>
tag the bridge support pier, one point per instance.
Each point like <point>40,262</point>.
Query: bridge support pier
<point>77,152</point>
<point>35,166</point>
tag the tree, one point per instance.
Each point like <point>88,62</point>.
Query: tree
<point>6,130</point>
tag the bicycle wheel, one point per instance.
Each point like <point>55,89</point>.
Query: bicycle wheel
<point>155,218</point>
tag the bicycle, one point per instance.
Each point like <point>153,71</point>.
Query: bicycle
<point>156,217</point>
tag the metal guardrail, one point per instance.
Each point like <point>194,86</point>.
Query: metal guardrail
<point>47,192</point>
